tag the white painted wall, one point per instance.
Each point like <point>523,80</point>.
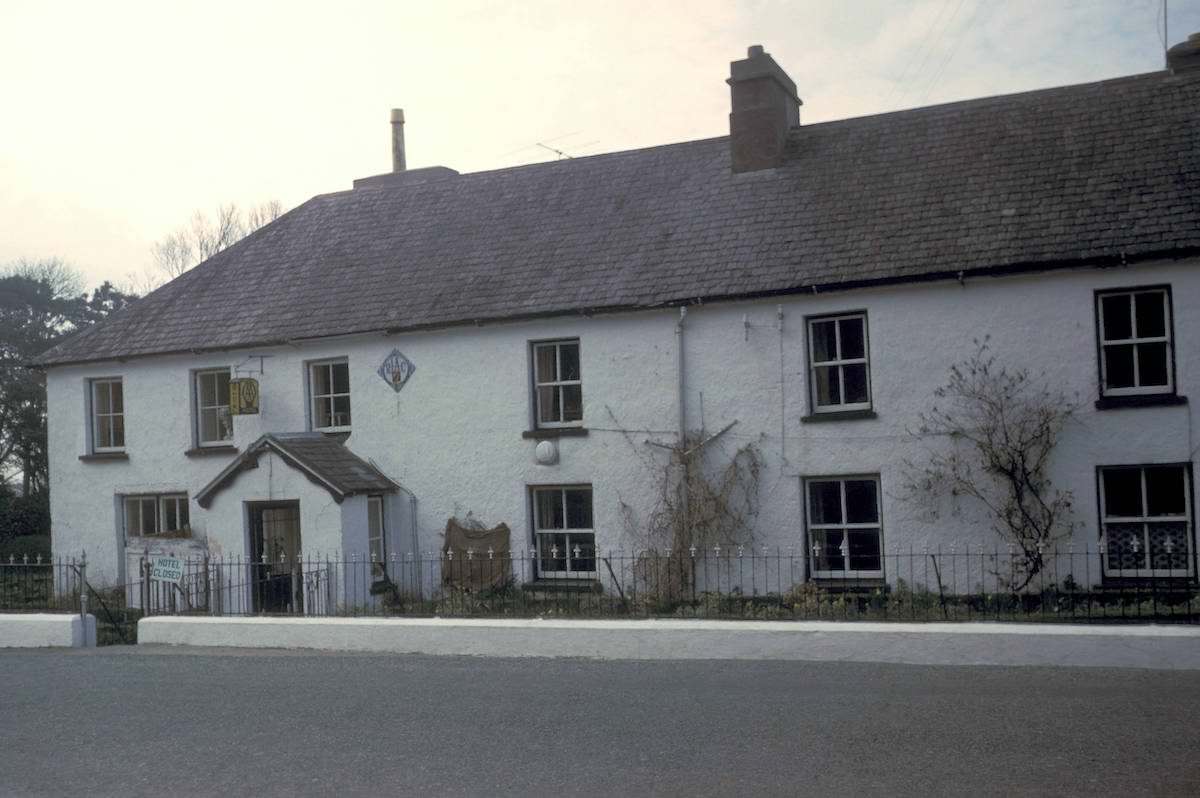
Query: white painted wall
<point>46,630</point>
<point>453,435</point>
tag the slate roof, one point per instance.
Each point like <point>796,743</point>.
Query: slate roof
<point>1088,174</point>
<point>322,458</point>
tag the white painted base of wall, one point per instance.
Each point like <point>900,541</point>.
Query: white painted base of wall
<point>952,643</point>
<point>41,630</point>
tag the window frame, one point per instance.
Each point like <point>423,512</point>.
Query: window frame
<point>1168,338</point>
<point>374,501</point>
<point>846,573</point>
<point>1188,518</point>
<point>160,501</point>
<point>535,384</point>
<point>839,362</point>
<point>94,415</point>
<point>314,397</point>
<point>199,407</point>
<point>566,531</point>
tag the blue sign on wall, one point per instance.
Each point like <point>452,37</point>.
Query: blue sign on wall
<point>396,369</point>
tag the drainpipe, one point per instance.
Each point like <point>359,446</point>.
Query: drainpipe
<point>681,386</point>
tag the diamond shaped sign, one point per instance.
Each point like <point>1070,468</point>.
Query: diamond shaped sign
<point>396,369</point>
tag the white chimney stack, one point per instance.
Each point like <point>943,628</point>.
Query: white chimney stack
<point>398,140</point>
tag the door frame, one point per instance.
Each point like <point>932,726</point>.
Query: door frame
<point>260,573</point>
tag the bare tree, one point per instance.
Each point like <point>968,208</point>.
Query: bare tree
<point>1004,424</point>
<point>200,239</point>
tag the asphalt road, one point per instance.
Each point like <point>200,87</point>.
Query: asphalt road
<point>166,722</point>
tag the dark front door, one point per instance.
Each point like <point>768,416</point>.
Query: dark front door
<point>275,548</point>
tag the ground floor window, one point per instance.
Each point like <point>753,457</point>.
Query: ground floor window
<point>1146,527</point>
<point>376,541</point>
<point>152,515</point>
<point>843,527</point>
<point>563,532</point>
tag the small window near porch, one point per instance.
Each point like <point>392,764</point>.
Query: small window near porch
<point>376,536</point>
<point>844,528</point>
<point>557,384</point>
<point>562,524</point>
<point>157,515</point>
<point>329,387</point>
<point>214,426</point>
<point>1147,521</point>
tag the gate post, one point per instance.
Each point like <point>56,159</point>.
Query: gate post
<point>83,596</point>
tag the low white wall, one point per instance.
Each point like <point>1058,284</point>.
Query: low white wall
<point>1143,646</point>
<point>40,630</point>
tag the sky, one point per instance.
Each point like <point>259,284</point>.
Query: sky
<point>118,120</point>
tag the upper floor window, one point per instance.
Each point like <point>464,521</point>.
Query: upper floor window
<point>839,374</point>
<point>563,533</point>
<point>153,515</point>
<point>558,387</point>
<point>844,528</point>
<point>107,399</point>
<point>214,425</point>
<point>1135,342</point>
<point>1146,517</point>
<point>329,387</point>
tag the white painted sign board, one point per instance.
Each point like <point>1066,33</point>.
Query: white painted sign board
<point>166,569</point>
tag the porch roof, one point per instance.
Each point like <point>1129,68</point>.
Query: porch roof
<point>324,459</point>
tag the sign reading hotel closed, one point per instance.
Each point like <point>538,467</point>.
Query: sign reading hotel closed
<point>166,569</point>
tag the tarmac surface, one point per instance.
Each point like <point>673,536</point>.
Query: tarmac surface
<point>157,720</point>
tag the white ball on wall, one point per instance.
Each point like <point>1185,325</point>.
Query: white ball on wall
<point>546,453</point>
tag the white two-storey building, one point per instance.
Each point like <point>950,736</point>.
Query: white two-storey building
<point>522,345</point>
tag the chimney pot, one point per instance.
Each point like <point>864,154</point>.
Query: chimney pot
<point>765,107</point>
<point>1185,56</point>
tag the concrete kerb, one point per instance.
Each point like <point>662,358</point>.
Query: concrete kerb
<point>1145,646</point>
<point>46,630</point>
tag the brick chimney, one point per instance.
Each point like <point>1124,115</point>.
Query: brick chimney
<point>1185,56</point>
<point>765,107</point>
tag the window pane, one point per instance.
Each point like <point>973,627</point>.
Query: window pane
<point>1165,491</point>
<point>320,378</point>
<point>210,425</point>
<point>549,509</point>
<point>1151,314</point>
<point>341,411</point>
<point>149,516</point>
<point>861,502</point>
<point>828,391</point>
<point>374,518</point>
<point>824,344</point>
<point>547,367</point>
<point>585,560</point>
<point>133,517</point>
<point>864,549</point>
<point>1125,547</point>
<point>324,409</point>
<point>1117,322</point>
<point>223,388</point>
<point>102,400</point>
<point>118,397</point>
<point>208,389</point>
<point>341,377</point>
<point>572,402</point>
<point>1169,546</point>
<point>852,338</point>
<point>1123,492</point>
<point>569,360</point>
<point>824,503</point>
<point>1118,366</point>
<point>118,431</point>
<point>184,513</point>
<point>104,433</point>
<point>828,553</point>
<point>855,378</point>
<point>552,552</point>
<point>579,509</point>
<point>548,404</point>
<point>1152,364</point>
<point>170,517</point>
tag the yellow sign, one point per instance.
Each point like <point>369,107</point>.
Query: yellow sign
<point>243,397</point>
